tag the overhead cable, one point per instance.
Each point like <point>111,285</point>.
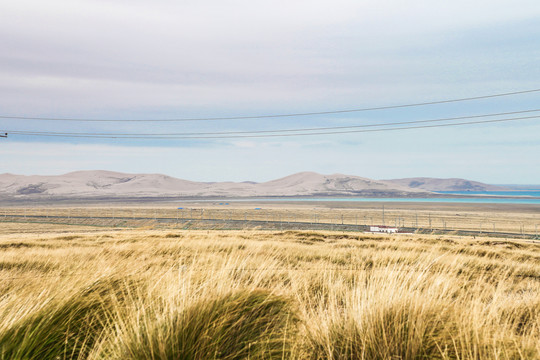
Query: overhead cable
<point>277,115</point>
<point>147,137</point>
<point>284,130</point>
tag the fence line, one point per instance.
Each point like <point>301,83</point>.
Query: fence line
<point>277,219</point>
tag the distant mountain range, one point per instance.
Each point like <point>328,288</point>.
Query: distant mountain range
<point>113,185</point>
<point>434,184</point>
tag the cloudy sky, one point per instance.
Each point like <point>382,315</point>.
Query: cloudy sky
<point>153,60</point>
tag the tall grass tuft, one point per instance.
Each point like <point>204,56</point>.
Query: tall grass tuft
<point>247,324</point>
<point>398,332</point>
<point>66,328</point>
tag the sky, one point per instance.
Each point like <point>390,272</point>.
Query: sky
<point>152,60</point>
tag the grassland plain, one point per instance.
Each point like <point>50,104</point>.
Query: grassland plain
<point>78,293</point>
<point>511,218</point>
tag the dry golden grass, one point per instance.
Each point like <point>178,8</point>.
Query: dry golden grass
<point>35,228</point>
<point>149,294</point>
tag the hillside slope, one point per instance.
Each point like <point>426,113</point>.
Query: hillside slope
<point>453,184</point>
<point>107,184</point>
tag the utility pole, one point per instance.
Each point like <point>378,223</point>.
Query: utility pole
<point>383,214</point>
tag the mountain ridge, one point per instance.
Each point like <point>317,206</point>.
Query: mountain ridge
<point>446,184</point>
<point>110,184</point>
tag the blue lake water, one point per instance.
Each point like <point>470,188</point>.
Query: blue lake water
<point>479,200</point>
<point>513,193</point>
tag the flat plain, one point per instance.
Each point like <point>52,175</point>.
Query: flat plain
<point>482,218</point>
<point>80,292</point>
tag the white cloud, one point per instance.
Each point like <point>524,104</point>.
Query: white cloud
<point>67,54</point>
<point>466,152</point>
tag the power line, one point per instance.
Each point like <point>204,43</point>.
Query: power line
<point>279,115</point>
<point>282,130</point>
<point>148,137</point>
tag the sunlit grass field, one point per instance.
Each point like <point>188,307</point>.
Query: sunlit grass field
<point>78,293</point>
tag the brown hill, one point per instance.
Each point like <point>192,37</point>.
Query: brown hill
<point>107,184</point>
<point>435,184</point>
